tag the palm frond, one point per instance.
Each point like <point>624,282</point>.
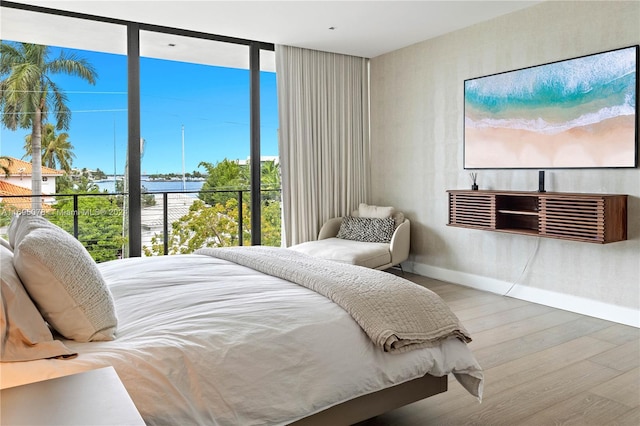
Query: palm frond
<point>75,66</point>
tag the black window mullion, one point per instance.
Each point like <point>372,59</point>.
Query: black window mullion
<point>133,150</point>
<point>254,66</point>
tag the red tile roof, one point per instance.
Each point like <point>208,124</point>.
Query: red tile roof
<point>17,203</point>
<point>18,167</point>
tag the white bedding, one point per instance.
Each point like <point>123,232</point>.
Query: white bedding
<point>205,341</point>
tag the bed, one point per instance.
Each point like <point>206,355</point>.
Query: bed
<point>202,339</point>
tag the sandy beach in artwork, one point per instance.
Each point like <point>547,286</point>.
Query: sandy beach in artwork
<point>575,113</point>
<point>609,143</point>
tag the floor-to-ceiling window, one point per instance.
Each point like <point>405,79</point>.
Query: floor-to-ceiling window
<point>192,135</point>
<point>84,131</point>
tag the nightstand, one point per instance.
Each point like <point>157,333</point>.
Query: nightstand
<point>95,397</point>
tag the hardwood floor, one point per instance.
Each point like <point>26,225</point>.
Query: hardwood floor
<point>543,366</point>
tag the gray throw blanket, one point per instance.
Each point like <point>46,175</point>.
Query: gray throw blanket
<point>395,313</point>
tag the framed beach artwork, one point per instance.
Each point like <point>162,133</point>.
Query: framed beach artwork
<point>575,113</point>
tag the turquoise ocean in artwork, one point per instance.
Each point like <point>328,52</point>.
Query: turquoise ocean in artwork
<point>556,97</point>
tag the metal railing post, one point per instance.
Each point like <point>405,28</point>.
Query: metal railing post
<point>240,225</point>
<point>75,216</point>
<point>165,222</point>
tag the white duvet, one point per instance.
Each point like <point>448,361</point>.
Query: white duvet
<point>205,341</point>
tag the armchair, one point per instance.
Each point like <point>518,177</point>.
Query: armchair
<point>375,255</point>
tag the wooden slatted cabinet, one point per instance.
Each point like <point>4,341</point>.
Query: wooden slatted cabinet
<point>595,218</point>
<point>472,210</point>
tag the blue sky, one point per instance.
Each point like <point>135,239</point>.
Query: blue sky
<point>212,104</point>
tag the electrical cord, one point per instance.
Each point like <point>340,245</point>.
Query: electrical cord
<point>526,266</point>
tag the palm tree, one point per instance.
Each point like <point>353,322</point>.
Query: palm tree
<point>5,163</point>
<point>56,149</point>
<point>86,185</point>
<point>270,180</point>
<point>28,94</point>
<point>270,175</point>
<point>224,175</point>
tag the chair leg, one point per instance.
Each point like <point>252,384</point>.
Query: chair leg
<point>398,266</point>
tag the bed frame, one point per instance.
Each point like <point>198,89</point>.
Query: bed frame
<point>374,404</point>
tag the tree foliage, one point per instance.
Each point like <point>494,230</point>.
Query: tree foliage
<point>203,226</point>
<point>99,223</point>
<point>99,174</point>
<point>6,213</point>
<point>213,220</point>
<point>5,164</point>
<point>57,150</point>
<point>28,93</point>
<point>75,184</point>
<point>226,177</point>
<point>271,219</point>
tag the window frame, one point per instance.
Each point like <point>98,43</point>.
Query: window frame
<point>133,98</point>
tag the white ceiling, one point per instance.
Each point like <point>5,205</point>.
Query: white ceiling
<point>361,28</point>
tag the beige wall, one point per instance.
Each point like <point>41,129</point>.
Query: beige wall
<point>416,134</point>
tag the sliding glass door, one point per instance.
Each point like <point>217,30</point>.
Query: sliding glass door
<point>195,124</point>
<point>83,131</point>
<point>168,121</point>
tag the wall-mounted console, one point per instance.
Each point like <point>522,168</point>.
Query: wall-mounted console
<point>594,218</point>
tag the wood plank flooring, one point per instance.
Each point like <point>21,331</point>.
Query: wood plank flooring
<point>543,366</point>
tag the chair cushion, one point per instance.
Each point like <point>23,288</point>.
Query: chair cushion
<point>370,255</point>
<point>365,210</point>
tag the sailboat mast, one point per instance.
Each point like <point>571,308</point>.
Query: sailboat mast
<point>184,183</point>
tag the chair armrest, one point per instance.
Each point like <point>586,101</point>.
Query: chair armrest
<point>330,228</point>
<point>400,242</point>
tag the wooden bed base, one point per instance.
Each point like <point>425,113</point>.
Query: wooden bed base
<point>374,404</point>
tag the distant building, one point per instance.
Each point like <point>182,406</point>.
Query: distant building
<point>263,159</point>
<point>19,183</point>
<point>14,203</point>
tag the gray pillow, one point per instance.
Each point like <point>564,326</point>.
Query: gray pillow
<point>367,229</point>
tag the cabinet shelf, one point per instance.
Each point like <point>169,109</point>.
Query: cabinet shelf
<point>521,212</point>
<point>595,218</point>
<point>523,231</point>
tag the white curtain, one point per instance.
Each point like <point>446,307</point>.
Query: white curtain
<point>323,108</point>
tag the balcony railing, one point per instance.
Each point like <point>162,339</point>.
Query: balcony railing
<point>172,222</point>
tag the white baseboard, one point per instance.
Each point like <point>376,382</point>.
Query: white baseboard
<point>567,302</point>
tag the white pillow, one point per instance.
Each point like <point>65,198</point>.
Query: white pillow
<point>65,284</point>
<point>5,243</point>
<point>24,336</point>
<point>365,210</point>
<point>22,224</point>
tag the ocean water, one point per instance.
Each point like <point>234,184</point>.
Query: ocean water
<point>157,185</point>
<point>556,97</point>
